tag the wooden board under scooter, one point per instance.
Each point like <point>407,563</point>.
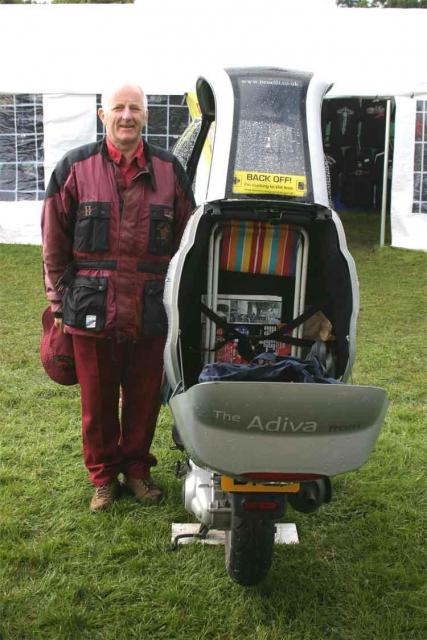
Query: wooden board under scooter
<point>286,533</point>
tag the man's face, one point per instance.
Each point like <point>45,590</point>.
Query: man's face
<point>125,118</point>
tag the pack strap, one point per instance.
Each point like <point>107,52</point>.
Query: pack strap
<point>72,267</point>
<point>111,265</point>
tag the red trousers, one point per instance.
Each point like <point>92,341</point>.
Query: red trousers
<point>108,371</point>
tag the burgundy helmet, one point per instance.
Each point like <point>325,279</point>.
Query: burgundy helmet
<point>56,352</point>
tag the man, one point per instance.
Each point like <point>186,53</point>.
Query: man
<point>113,216</point>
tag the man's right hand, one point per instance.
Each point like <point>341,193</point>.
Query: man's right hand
<point>58,323</point>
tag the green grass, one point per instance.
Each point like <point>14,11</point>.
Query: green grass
<point>358,572</point>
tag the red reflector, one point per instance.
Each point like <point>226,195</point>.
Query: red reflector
<point>265,505</point>
<point>281,477</point>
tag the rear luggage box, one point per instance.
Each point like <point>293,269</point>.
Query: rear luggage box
<point>293,427</point>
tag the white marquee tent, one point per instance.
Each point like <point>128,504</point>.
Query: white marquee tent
<point>69,53</point>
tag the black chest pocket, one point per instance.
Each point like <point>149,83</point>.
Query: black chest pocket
<point>92,228</point>
<point>161,230</point>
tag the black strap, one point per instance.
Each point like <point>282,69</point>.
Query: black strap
<point>244,342</point>
<point>244,345</point>
<point>111,265</point>
<point>72,267</point>
<point>280,334</point>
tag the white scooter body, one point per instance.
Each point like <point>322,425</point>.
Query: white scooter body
<point>264,162</point>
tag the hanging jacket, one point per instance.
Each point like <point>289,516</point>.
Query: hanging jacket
<point>106,248</point>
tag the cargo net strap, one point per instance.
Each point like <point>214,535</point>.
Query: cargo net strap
<point>246,344</point>
<point>258,247</point>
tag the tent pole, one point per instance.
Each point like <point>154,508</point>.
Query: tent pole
<point>385,171</point>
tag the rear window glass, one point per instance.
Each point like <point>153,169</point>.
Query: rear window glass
<point>270,151</point>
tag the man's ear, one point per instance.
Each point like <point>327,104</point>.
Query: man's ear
<point>101,115</point>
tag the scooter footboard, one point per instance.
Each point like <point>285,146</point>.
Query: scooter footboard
<point>237,428</point>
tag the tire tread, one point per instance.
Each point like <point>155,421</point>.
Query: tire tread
<point>249,549</point>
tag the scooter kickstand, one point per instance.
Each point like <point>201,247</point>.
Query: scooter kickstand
<point>200,535</point>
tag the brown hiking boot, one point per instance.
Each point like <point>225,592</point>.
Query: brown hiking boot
<point>104,496</point>
<point>144,489</point>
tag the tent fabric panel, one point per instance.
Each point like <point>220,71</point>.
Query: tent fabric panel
<point>20,222</point>
<point>69,122</point>
<point>186,31</point>
<point>408,229</point>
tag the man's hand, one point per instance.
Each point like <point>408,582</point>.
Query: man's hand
<point>58,323</point>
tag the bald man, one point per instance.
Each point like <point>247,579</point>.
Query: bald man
<point>113,217</point>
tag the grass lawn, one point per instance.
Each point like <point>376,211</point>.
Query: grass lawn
<point>357,573</point>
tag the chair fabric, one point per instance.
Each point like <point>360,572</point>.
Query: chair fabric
<point>259,247</point>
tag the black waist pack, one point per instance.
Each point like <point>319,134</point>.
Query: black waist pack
<point>84,303</point>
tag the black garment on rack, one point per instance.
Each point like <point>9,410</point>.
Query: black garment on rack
<point>344,115</point>
<point>373,120</point>
<point>334,158</point>
<point>358,179</point>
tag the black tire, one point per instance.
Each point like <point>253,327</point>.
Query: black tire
<point>249,549</point>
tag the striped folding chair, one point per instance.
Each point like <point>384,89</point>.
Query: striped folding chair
<point>247,246</point>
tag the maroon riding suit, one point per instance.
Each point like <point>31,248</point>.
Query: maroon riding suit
<point>108,237</point>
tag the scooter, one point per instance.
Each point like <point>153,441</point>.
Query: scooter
<point>260,399</point>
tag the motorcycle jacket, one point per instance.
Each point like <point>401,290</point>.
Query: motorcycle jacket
<point>106,248</point>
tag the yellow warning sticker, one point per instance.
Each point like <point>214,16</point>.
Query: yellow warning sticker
<point>269,183</point>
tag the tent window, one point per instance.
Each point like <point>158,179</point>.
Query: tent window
<point>354,142</point>
<point>420,159</point>
<point>169,117</point>
<point>21,147</point>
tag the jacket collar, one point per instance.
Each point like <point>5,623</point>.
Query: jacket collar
<point>148,169</point>
<point>117,156</point>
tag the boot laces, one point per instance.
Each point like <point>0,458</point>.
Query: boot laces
<point>104,491</point>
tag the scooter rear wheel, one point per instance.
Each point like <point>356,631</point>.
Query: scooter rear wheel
<point>249,549</point>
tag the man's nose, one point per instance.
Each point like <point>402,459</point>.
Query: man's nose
<point>127,113</point>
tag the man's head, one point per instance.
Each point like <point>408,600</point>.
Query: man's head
<point>124,114</point>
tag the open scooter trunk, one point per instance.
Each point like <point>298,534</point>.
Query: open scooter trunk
<point>242,428</point>
<point>261,257</point>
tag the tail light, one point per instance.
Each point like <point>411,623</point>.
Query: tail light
<point>265,505</point>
